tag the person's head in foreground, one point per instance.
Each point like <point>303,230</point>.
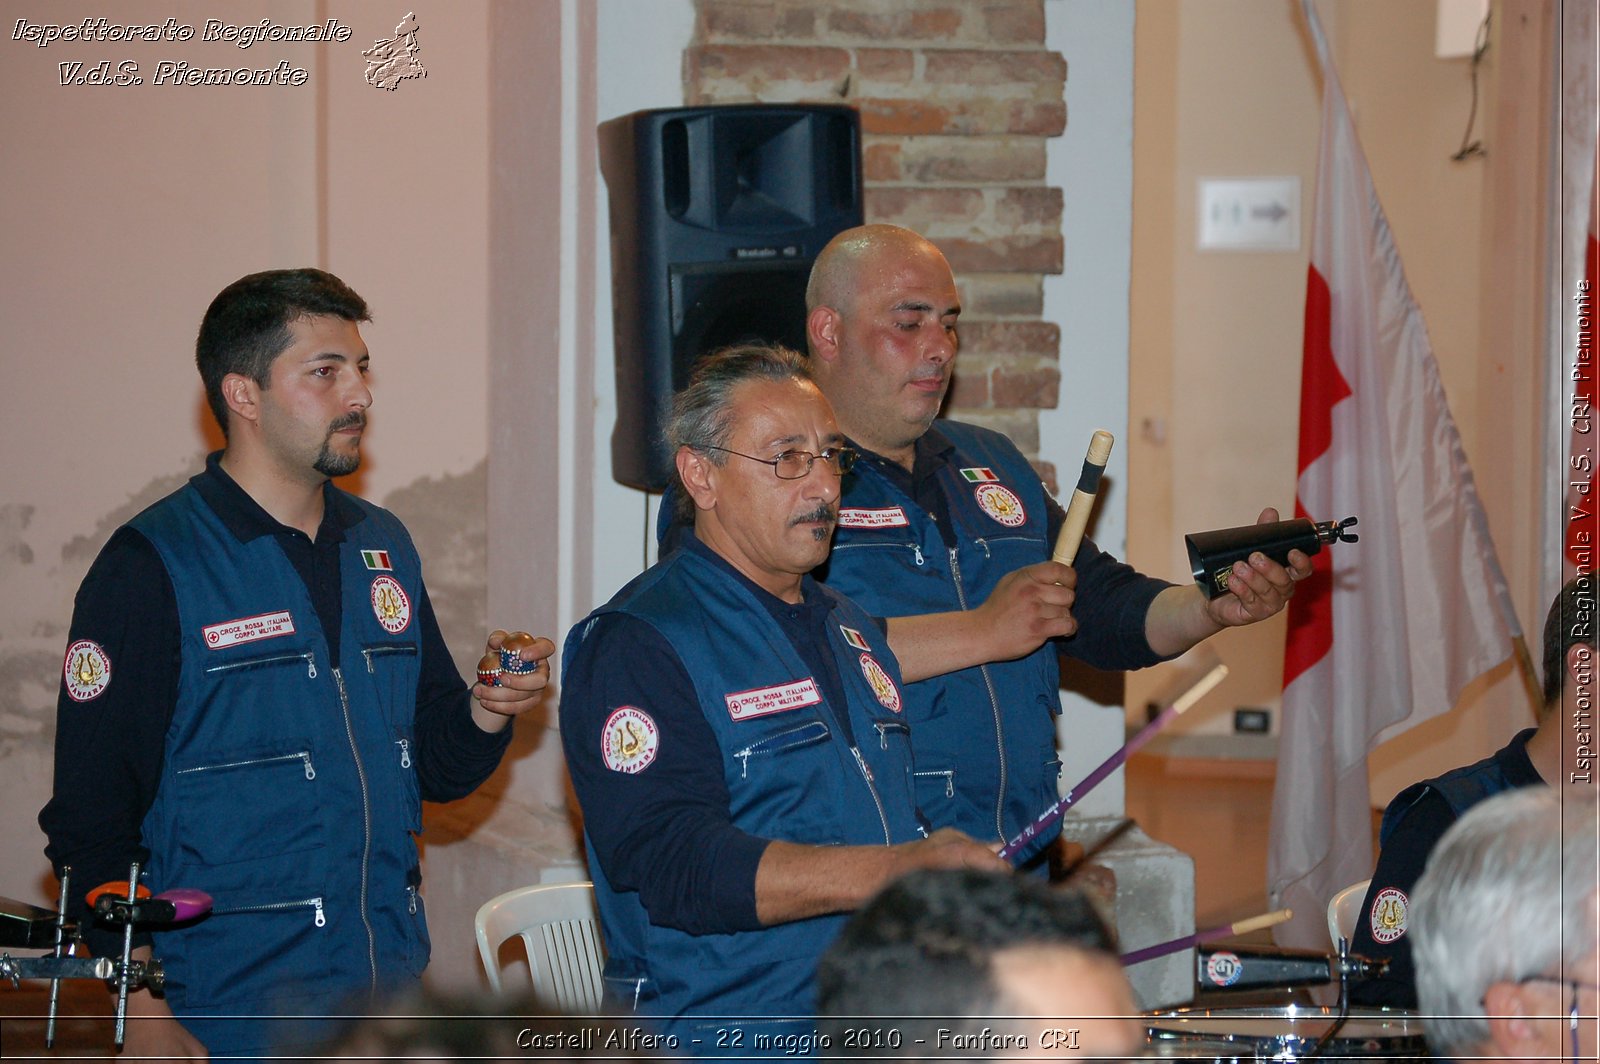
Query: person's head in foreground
<point>998,965</point>
<point>433,1025</point>
<point>1504,924</point>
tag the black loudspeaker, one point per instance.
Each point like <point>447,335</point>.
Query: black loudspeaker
<point>716,216</point>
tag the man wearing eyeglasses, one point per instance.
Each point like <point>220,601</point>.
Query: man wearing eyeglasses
<point>735,731</point>
<point>1505,927</point>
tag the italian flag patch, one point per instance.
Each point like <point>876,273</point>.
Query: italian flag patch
<point>377,560</point>
<point>979,475</point>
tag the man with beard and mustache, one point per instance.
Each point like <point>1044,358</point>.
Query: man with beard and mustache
<point>735,731</point>
<point>256,698</point>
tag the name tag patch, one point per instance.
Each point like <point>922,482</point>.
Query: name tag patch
<point>248,629</point>
<point>886,517</point>
<point>764,701</point>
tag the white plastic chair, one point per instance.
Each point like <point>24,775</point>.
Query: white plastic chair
<point>1343,910</point>
<point>558,928</point>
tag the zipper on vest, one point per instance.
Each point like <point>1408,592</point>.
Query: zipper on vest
<point>405,753</point>
<point>385,648</point>
<point>366,830</point>
<point>308,657</point>
<point>303,755</point>
<point>318,916</point>
<point>949,775</point>
<point>804,735</point>
<point>411,899</point>
<point>994,709</point>
<point>980,541</point>
<point>916,550</point>
<point>866,774</point>
<point>884,728</point>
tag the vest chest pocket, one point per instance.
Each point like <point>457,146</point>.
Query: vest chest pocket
<point>305,659</point>
<point>891,732</point>
<point>788,781</point>
<point>935,789</point>
<point>391,668</point>
<point>810,733</point>
<point>376,654</point>
<point>894,738</point>
<point>1012,550</point>
<point>250,805</point>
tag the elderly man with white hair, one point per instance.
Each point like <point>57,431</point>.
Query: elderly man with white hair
<point>1505,923</point>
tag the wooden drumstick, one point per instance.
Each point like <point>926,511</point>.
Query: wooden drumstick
<point>1255,923</point>
<point>1240,927</point>
<point>1094,465</point>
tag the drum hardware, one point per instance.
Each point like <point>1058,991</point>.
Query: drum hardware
<point>26,926</point>
<point>1285,1033</point>
<point>1291,1033</point>
<point>1350,966</point>
<point>1228,968</point>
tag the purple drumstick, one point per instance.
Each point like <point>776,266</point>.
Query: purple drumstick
<point>1058,809</point>
<point>1242,927</point>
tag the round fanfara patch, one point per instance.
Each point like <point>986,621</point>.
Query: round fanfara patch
<point>1002,504</point>
<point>629,740</point>
<point>87,670</point>
<point>390,605</point>
<point>1224,968</point>
<point>881,685</point>
<point>1388,919</point>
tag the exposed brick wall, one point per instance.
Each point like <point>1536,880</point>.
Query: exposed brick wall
<point>956,101</point>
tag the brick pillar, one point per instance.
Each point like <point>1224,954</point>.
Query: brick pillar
<point>956,101</point>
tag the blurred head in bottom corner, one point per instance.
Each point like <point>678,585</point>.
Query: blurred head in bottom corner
<point>976,964</point>
<point>434,1026</point>
<point>1505,923</point>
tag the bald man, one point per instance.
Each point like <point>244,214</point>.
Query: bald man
<point>938,512</point>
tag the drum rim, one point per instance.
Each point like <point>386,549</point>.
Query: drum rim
<point>1398,1043</point>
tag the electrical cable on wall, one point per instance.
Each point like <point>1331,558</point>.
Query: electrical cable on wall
<point>1470,147</point>
<point>644,544</point>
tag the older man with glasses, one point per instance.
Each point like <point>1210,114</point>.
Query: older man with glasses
<point>735,731</point>
<point>1505,925</point>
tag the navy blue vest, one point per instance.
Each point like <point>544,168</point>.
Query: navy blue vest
<point>790,773</point>
<point>287,789</point>
<point>984,737</point>
<point>1461,788</point>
